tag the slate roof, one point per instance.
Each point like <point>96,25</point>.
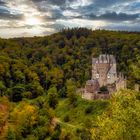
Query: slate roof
<point>104,58</point>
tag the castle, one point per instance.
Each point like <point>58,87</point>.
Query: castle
<point>105,80</point>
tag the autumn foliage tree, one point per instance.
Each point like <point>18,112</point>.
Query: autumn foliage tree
<point>122,121</point>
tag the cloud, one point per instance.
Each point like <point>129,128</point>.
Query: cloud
<point>2,3</point>
<point>107,3</point>
<point>56,26</point>
<point>123,27</point>
<point>91,9</point>
<point>54,2</point>
<point>53,15</point>
<point>114,16</point>
<point>7,14</point>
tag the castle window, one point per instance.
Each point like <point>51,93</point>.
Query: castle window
<point>97,76</point>
<point>108,76</point>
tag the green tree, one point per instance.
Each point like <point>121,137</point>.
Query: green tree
<point>135,70</point>
<point>35,88</point>
<point>2,88</point>
<point>52,97</point>
<point>11,134</point>
<point>55,76</point>
<point>16,93</point>
<point>122,121</point>
<point>71,91</point>
<point>19,76</point>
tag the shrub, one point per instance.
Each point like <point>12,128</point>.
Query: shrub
<point>88,110</point>
<point>66,118</point>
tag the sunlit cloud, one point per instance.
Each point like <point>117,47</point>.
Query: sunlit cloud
<point>32,21</point>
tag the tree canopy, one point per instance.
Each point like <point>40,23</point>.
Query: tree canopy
<point>38,81</point>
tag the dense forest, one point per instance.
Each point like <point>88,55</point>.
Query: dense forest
<point>39,77</point>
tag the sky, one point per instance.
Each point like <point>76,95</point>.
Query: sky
<point>22,18</point>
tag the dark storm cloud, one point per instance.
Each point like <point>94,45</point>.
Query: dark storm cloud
<point>113,17</point>
<point>107,3</point>
<point>98,3</point>
<point>6,14</point>
<point>2,3</point>
<point>119,17</point>
<point>54,2</point>
<point>123,27</point>
<point>100,6</point>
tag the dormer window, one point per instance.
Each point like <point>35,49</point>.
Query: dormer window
<point>97,76</point>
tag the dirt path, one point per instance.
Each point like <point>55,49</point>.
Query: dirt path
<point>57,120</point>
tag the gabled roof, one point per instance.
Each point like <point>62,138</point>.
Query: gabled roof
<point>104,58</point>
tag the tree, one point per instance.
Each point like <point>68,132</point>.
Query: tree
<point>2,88</point>
<point>52,97</point>
<point>122,121</point>
<point>135,70</point>
<point>55,76</point>
<point>16,93</point>
<point>25,117</point>
<point>35,88</point>
<point>19,77</point>
<point>11,134</point>
<point>2,70</point>
<point>71,91</point>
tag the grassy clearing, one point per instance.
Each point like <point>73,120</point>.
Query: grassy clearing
<point>83,114</point>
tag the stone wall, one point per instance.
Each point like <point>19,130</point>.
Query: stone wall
<point>88,96</point>
<point>95,96</point>
<point>120,84</point>
<point>102,96</point>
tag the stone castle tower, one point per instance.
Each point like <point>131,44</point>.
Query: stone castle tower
<point>104,69</point>
<point>104,74</point>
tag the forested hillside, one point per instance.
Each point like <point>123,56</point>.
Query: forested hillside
<point>39,77</point>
